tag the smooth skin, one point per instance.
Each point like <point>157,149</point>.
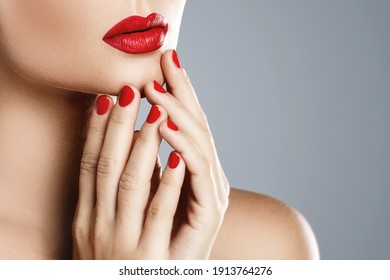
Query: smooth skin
<point>120,223</point>
<point>64,167</point>
<point>127,209</point>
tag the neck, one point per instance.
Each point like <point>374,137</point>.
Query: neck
<point>41,143</point>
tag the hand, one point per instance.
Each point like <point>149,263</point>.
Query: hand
<point>117,180</point>
<point>206,188</point>
<point>126,209</point>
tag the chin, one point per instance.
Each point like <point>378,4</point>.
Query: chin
<point>101,73</point>
<point>107,79</point>
<point>111,84</point>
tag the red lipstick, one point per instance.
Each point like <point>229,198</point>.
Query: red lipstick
<point>136,34</point>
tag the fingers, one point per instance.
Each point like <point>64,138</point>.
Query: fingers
<point>114,186</point>
<point>181,101</point>
<point>197,163</point>
<point>96,130</point>
<point>122,190</point>
<point>138,174</point>
<point>179,114</point>
<point>115,150</point>
<point>179,83</point>
<point>159,219</point>
<point>190,127</point>
<point>183,109</point>
<point>82,223</point>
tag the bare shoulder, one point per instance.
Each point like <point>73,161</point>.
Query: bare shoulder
<point>260,227</point>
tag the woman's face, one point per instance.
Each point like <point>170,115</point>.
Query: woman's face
<point>60,43</point>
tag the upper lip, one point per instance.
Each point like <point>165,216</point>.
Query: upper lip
<point>137,24</point>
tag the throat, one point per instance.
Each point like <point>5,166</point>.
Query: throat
<point>40,152</point>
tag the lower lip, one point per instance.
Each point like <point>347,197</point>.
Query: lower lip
<point>139,42</point>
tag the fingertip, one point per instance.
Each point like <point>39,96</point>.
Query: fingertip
<point>137,93</point>
<point>174,160</point>
<point>103,104</point>
<point>158,87</point>
<point>156,114</point>
<point>172,137</point>
<point>171,59</point>
<point>175,59</point>
<point>171,125</point>
<point>153,90</point>
<point>163,127</point>
<point>166,58</point>
<point>172,69</point>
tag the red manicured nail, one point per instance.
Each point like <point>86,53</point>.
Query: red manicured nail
<point>174,160</point>
<point>127,95</point>
<point>175,59</point>
<point>154,114</point>
<point>172,126</point>
<point>102,104</point>
<point>159,88</point>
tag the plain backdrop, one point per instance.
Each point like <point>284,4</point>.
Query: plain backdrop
<point>297,94</point>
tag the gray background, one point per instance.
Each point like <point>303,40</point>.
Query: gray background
<point>297,94</point>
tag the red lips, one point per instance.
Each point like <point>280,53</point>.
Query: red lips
<point>136,34</point>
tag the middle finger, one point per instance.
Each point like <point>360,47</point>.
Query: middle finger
<point>115,150</point>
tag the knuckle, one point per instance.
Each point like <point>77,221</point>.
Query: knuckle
<point>106,164</point>
<point>118,118</point>
<point>223,205</point>
<point>128,181</point>
<point>155,212</point>
<point>188,82</point>
<point>95,129</point>
<point>167,181</point>
<point>206,132</point>
<point>203,118</point>
<point>225,198</point>
<point>208,135</point>
<point>88,163</point>
<point>206,165</point>
<point>79,230</point>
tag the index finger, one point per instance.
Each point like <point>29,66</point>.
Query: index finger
<point>179,84</point>
<point>96,130</point>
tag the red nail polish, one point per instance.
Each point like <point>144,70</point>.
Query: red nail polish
<point>127,95</point>
<point>172,126</point>
<point>102,104</point>
<point>174,160</point>
<point>154,114</point>
<point>175,59</point>
<point>159,88</point>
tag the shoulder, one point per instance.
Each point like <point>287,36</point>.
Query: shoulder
<point>260,227</point>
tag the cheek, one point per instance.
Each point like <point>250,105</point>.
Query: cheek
<point>173,9</point>
<point>35,38</point>
<point>49,42</point>
<point>54,44</point>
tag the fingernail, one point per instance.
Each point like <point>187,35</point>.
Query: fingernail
<point>102,104</point>
<point>172,126</point>
<point>174,160</point>
<point>154,114</point>
<point>175,59</point>
<point>159,88</point>
<point>126,96</point>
